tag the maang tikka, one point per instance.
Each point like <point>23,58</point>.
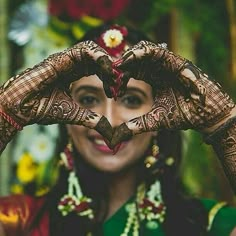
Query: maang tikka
<point>73,200</point>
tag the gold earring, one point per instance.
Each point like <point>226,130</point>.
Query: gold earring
<point>152,159</point>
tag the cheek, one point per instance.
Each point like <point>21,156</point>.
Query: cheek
<point>77,134</point>
<point>141,143</point>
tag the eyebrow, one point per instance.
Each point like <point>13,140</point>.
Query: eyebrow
<point>91,88</point>
<point>88,88</point>
<point>135,89</point>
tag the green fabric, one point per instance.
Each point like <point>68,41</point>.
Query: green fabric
<point>115,224</point>
<point>223,223</point>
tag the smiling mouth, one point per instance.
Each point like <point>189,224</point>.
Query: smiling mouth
<point>100,145</point>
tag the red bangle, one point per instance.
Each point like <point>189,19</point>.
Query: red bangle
<point>10,120</point>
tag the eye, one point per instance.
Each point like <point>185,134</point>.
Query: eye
<point>88,101</point>
<point>132,101</point>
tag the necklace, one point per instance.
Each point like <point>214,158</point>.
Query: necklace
<point>148,207</point>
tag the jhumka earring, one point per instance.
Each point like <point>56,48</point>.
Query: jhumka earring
<point>151,159</point>
<point>73,200</point>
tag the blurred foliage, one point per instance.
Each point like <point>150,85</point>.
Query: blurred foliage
<point>206,20</point>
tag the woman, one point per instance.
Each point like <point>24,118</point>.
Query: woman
<point>112,182</point>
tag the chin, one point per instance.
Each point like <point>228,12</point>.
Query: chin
<point>109,167</point>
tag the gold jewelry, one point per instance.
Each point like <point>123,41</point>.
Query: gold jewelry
<point>152,159</point>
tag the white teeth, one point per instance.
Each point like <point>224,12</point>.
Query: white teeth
<point>99,142</point>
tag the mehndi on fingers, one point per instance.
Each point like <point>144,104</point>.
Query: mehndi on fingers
<point>30,97</point>
<point>223,141</point>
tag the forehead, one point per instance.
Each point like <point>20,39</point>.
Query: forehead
<point>94,81</point>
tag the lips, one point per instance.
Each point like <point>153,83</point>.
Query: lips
<point>100,145</point>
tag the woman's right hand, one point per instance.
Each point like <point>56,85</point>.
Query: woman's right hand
<point>41,94</point>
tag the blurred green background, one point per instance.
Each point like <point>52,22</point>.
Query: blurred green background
<point>203,31</point>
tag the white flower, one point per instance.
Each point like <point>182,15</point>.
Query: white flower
<point>23,140</point>
<point>52,130</point>
<point>155,191</point>
<point>112,38</point>
<point>42,147</point>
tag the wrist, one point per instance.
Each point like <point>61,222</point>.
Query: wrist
<point>221,131</point>
<point>223,141</point>
<point>221,124</point>
<point>9,128</point>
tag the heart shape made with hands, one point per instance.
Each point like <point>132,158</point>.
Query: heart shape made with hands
<point>115,92</point>
<point>187,99</point>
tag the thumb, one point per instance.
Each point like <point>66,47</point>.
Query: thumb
<point>148,122</point>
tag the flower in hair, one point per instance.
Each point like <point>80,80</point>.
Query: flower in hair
<point>113,40</point>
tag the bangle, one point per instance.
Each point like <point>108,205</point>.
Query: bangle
<point>219,131</point>
<point>10,120</point>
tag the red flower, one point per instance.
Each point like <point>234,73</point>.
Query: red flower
<point>66,201</point>
<point>103,9</point>
<point>82,207</point>
<point>146,203</point>
<point>69,157</point>
<point>158,209</point>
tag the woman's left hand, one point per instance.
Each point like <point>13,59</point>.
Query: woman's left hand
<point>184,96</point>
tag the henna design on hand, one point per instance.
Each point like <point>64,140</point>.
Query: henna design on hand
<point>224,144</point>
<point>186,100</point>
<point>105,129</point>
<point>7,131</point>
<point>39,94</point>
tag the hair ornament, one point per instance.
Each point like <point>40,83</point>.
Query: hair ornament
<point>113,40</point>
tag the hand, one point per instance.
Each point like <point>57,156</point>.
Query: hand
<point>40,95</point>
<point>186,99</point>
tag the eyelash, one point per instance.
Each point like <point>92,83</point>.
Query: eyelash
<point>132,101</point>
<point>88,101</point>
<point>129,101</point>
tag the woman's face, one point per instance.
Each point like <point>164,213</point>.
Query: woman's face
<point>89,93</point>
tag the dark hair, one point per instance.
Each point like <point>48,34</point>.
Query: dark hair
<point>184,216</point>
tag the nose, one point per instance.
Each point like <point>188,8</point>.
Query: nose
<point>113,113</point>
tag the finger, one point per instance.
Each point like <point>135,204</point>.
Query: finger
<point>123,83</point>
<point>145,123</point>
<point>191,78</point>
<point>68,66</point>
<point>120,134</point>
<point>127,60</point>
<point>109,83</point>
<point>60,108</point>
<point>105,129</point>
